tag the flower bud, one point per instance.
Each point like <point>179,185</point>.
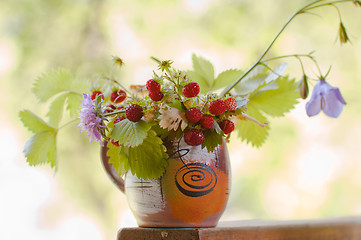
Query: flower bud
<point>357,3</point>
<point>118,61</point>
<point>304,87</point>
<point>343,34</point>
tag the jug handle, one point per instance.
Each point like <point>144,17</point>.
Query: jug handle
<point>118,181</point>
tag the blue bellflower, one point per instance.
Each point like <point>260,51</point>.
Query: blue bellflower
<point>326,98</point>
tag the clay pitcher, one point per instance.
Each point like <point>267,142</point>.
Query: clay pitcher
<point>193,191</point>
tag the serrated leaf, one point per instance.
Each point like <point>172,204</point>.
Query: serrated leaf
<point>252,81</point>
<point>225,78</point>
<point>79,86</point>
<point>211,140</point>
<point>34,123</point>
<point>203,73</point>
<point>147,160</point>
<point>203,67</point>
<point>277,72</point>
<point>73,103</point>
<point>130,134</point>
<point>201,80</point>
<point>279,101</point>
<point>116,158</point>
<point>251,132</point>
<point>56,109</point>
<point>41,148</point>
<point>51,83</point>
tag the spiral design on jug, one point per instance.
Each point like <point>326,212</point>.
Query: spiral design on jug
<point>195,179</point>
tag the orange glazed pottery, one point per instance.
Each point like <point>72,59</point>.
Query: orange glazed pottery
<point>193,191</point>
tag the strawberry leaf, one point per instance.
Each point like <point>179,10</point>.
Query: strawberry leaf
<point>225,78</point>
<point>203,73</point>
<point>211,140</point>
<point>41,148</point>
<point>116,158</point>
<point>56,109</point>
<point>32,122</point>
<point>51,83</point>
<point>130,134</point>
<point>251,132</point>
<point>277,102</point>
<point>149,159</point>
<point>73,103</point>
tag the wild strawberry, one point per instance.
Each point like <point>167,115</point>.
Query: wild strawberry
<point>149,116</point>
<point>227,126</point>
<point>118,119</point>
<point>115,143</point>
<point>134,112</point>
<point>193,114</point>
<point>188,103</point>
<point>110,108</point>
<point>156,96</point>
<point>231,103</point>
<point>118,96</point>
<point>153,86</point>
<point>95,94</point>
<point>191,90</point>
<point>194,137</point>
<point>207,121</point>
<point>217,107</point>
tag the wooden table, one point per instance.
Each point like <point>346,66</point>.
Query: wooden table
<point>347,228</point>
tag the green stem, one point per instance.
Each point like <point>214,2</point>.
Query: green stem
<point>298,56</point>
<point>302,10</point>
<point>113,113</point>
<point>68,123</point>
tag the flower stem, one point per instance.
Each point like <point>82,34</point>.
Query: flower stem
<point>68,123</point>
<point>113,113</point>
<point>304,9</point>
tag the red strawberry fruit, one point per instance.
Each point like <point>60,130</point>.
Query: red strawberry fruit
<point>118,119</point>
<point>156,96</point>
<point>191,90</point>
<point>193,115</point>
<point>217,107</point>
<point>95,94</point>
<point>207,121</point>
<point>227,126</point>
<point>194,137</point>
<point>134,112</point>
<point>152,86</point>
<point>231,103</point>
<point>115,143</point>
<point>118,96</point>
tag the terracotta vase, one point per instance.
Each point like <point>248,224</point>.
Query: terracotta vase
<point>193,191</point>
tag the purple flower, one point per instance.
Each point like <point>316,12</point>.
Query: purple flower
<point>89,121</point>
<point>327,98</point>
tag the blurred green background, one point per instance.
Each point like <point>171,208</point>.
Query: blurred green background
<point>308,168</point>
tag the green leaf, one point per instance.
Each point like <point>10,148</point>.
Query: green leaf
<point>130,134</point>
<point>34,123</point>
<point>203,73</point>
<point>203,67</point>
<point>56,109</point>
<point>116,158</point>
<point>51,83</point>
<point>147,160</point>
<point>73,103</point>
<point>41,148</point>
<point>278,101</point>
<point>251,132</point>
<point>211,140</point>
<point>225,78</point>
<point>252,81</point>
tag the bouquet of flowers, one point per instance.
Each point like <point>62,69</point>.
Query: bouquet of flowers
<point>194,105</point>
